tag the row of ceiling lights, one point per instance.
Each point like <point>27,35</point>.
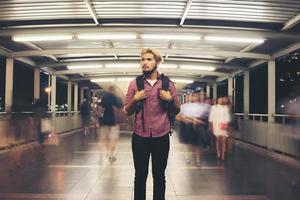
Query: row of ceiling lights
<point>135,65</point>
<point>130,36</point>
<point>121,79</point>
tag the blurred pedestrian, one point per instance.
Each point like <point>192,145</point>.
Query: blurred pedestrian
<point>219,119</point>
<point>85,113</point>
<point>109,128</point>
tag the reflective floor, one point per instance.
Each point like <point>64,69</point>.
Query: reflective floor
<point>78,169</point>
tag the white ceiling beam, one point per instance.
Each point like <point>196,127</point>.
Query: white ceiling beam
<point>136,51</point>
<point>256,63</point>
<point>52,72</point>
<point>246,49</point>
<point>292,22</point>
<point>31,45</point>
<point>209,80</point>
<point>7,52</point>
<point>219,79</point>
<point>285,51</point>
<point>92,11</point>
<point>186,11</point>
<point>27,61</point>
<point>160,30</point>
<point>137,71</point>
<point>62,64</point>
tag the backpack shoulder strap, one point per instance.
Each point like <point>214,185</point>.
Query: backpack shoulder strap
<point>165,82</point>
<point>140,82</point>
<point>140,105</point>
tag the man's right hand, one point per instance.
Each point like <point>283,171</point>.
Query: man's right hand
<point>140,95</point>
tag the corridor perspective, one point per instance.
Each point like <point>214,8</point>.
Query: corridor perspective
<point>81,77</point>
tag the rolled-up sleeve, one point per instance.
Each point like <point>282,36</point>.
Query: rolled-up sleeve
<point>130,92</point>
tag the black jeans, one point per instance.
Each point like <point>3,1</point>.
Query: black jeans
<point>142,148</point>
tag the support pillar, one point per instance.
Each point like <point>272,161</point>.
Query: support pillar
<point>49,93</point>
<point>76,97</point>
<point>271,90</point>
<point>246,94</point>
<point>9,80</point>
<point>69,97</point>
<point>230,89</point>
<point>53,93</point>
<point>36,92</point>
<point>215,91</point>
<point>81,95</point>
<point>207,91</point>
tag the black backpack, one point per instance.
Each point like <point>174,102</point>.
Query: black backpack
<point>164,104</point>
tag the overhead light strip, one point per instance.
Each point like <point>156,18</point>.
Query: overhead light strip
<point>197,67</point>
<point>131,36</point>
<point>181,80</point>
<point>101,80</point>
<point>106,36</point>
<point>170,37</point>
<point>122,65</point>
<point>36,37</point>
<point>233,39</point>
<point>84,67</point>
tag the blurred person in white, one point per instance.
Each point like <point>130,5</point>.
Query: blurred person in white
<point>191,116</point>
<point>185,126</point>
<point>219,119</point>
<point>109,128</point>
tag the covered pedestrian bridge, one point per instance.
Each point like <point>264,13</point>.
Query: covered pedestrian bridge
<point>66,51</point>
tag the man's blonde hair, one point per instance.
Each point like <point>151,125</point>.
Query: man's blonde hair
<point>156,54</point>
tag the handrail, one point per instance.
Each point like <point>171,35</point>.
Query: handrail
<point>284,117</point>
<point>287,116</point>
<point>262,115</point>
<point>254,116</point>
<point>239,114</point>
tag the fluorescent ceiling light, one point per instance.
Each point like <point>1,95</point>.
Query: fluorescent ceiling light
<point>125,78</point>
<point>233,39</point>
<point>129,58</point>
<point>83,55</point>
<point>170,37</point>
<point>181,80</point>
<point>84,66</point>
<point>87,59</point>
<point>106,36</point>
<point>101,80</point>
<point>122,65</point>
<point>48,37</point>
<point>167,66</point>
<point>198,67</point>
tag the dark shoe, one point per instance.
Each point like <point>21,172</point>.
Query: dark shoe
<point>112,159</point>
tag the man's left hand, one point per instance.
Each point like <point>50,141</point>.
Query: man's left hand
<point>165,95</point>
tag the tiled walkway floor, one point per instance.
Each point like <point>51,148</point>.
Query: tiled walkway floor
<point>78,169</point>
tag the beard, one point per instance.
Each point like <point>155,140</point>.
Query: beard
<point>147,74</point>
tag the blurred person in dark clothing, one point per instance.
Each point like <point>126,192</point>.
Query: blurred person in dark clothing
<point>85,113</point>
<point>109,128</point>
<point>39,111</point>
